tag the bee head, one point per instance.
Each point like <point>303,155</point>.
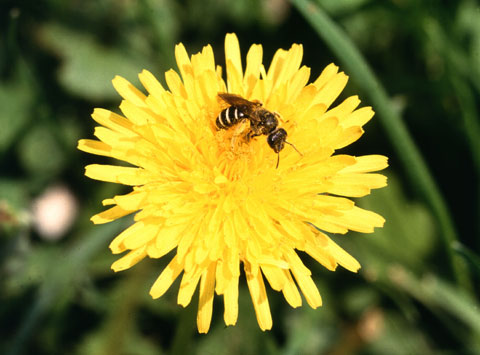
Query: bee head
<point>276,140</point>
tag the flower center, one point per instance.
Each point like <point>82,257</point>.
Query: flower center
<point>235,151</point>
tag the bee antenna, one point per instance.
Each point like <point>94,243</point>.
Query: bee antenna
<point>278,154</point>
<point>294,148</point>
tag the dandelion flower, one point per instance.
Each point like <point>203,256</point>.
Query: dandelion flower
<point>214,203</point>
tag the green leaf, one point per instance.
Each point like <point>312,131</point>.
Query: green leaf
<point>14,193</point>
<point>88,67</point>
<point>16,99</point>
<point>469,26</point>
<point>469,255</point>
<point>398,337</point>
<point>119,331</point>
<point>441,297</point>
<point>40,153</point>
<point>310,331</point>
<point>58,279</point>
<point>340,6</point>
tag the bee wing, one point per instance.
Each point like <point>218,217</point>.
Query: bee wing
<point>234,100</point>
<point>247,107</point>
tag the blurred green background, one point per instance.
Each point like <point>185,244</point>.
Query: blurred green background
<point>417,292</point>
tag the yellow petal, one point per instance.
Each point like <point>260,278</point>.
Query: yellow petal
<point>110,215</point>
<point>175,84</point>
<point>275,277</point>
<point>183,62</point>
<point>342,257</point>
<point>119,174</point>
<point>230,298</point>
<point>205,302</point>
<point>108,136</point>
<point>252,71</point>
<point>94,147</point>
<point>285,65</point>
<point>130,259</point>
<point>295,262</point>
<point>259,297</point>
<point>187,287</point>
<point>321,254</point>
<point>168,239</point>
<point>330,91</point>
<point>151,83</point>
<point>290,291</point>
<point>147,232</point>
<point>304,281</point>
<point>327,74</point>
<point>113,121</point>
<point>166,278</point>
<point>347,137</point>
<point>234,79</point>
<point>297,83</point>
<point>128,91</point>
<point>234,63</point>
<point>344,110</point>
<point>132,201</point>
<point>137,115</point>
<point>367,163</point>
<point>309,290</point>
<point>356,219</point>
<point>356,185</point>
<point>358,117</point>
<point>117,246</point>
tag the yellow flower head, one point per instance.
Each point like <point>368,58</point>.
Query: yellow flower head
<point>218,198</point>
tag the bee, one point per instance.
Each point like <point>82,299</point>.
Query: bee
<point>262,121</point>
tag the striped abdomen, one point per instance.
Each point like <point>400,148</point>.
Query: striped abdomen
<point>229,117</point>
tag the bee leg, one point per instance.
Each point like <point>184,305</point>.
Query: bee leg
<point>236,134</point>
<point>249,135</point>
<point>278,116</point>
<point>255,131</point>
